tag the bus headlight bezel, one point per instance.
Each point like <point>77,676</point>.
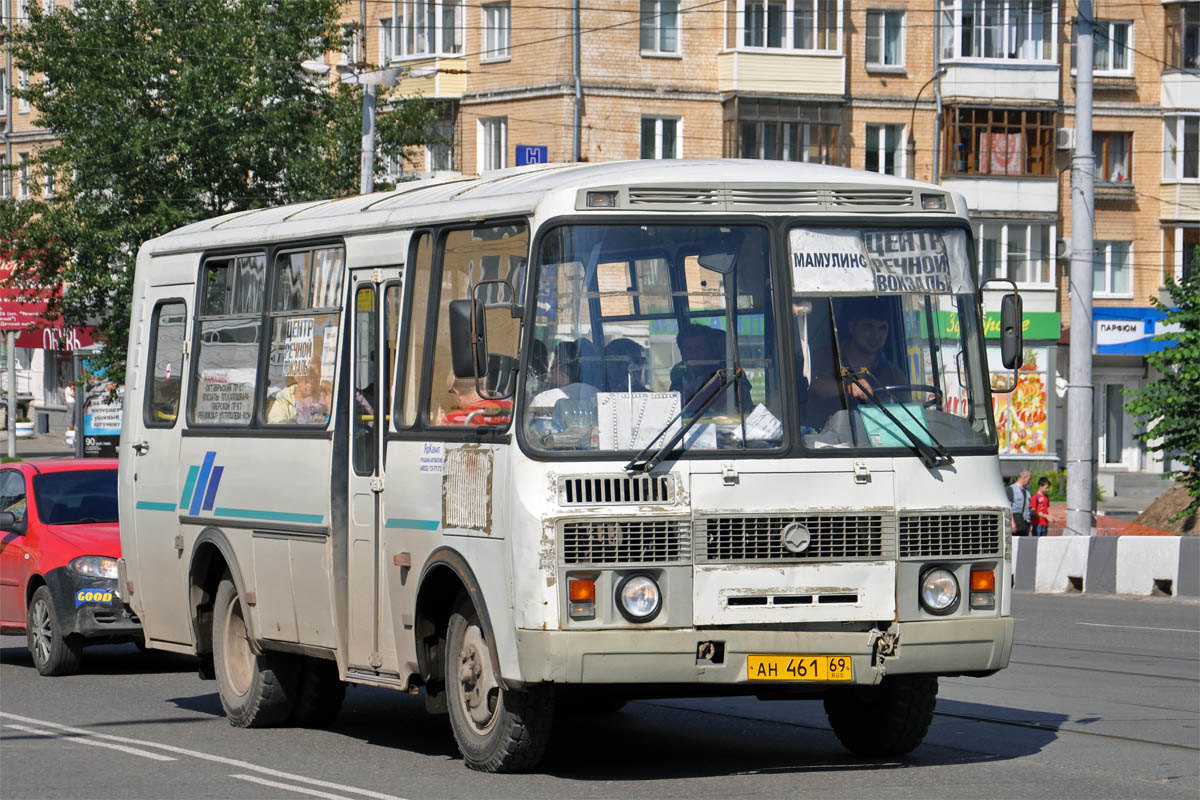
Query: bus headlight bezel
<point>928,591</point>
<point>634,587</point>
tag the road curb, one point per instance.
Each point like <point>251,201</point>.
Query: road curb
<point>1166,566</point>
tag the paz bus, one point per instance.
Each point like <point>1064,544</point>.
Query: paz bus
<point>573,434</point>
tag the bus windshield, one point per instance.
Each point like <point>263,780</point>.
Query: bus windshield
<point>644,330</point>
<point>887,339</point>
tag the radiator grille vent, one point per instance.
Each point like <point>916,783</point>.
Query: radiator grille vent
<point>940,534</point>
<point>608,490</point>
<point>653,196</point>
<point>777,198</point>
<point>654,541</point>
<point>833,538</point>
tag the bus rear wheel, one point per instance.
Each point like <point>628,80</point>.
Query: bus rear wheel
<point>890,719</point>
<point>319,694</point>
<point>256,690</point>
<point>497,729</point>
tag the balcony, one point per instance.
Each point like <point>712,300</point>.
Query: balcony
<point>1016,81</point>
<point>782,73</point>
<point>1007,194</point>
<point>433,77</point>
<point>1179,201</point>
<point>1180,90</point>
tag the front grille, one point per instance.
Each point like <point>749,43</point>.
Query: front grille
<point>623,541</point>
<point>604,490</point>
<point>834,537</point>
<point>950,534</point>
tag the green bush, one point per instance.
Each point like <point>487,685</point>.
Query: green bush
<point>1058,485</point>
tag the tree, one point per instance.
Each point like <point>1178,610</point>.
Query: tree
<point>171,111</point>
<point>1170,406</point>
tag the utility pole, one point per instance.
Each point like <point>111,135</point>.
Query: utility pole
<point>1081,496</point>
<point>575,47</point>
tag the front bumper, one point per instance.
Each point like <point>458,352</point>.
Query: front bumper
<point>91,607</point>
<point>940,647</point>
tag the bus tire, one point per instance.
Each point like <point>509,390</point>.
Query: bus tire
<point>53,652</point>
<point>256,691</point>
<point>890,719</point>
<point>319,695</point>
<point>497,729</point>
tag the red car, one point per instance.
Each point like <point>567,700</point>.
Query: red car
<point>59,545</point>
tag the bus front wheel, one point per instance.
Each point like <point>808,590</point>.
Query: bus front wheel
<point>497,729</point>
<point>256,690</point>
<point>890,719</point>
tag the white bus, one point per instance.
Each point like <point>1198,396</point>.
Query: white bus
<point>573,434</point>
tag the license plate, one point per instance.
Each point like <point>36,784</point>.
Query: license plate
<point>799,668</point>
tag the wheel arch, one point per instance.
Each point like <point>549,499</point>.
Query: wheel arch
<point>212,556</point>
<point>446,576</point>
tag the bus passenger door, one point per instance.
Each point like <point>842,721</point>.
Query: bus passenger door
<point>376,300</point>
<point>152,456</point>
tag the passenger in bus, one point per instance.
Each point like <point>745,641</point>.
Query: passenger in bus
<point>306,400</point>
<point>625,366</point>
<point>862,345</point>
<point>472,408</point>
<point>703,353</point>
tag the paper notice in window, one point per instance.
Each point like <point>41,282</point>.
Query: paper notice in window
<point>761,426</point>
<point>631,420</point>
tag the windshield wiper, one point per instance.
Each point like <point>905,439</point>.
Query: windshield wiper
<point>721,379</point>
<point>932,455</point>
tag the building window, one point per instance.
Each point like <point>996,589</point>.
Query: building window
<point>5,178</point>
<point>493,143</point>
<point>1009,30</point>
<point>784,131</point>
<point>23,105</point>
<point>3,91</point>
<point>497,32</point>
<point>884,153</point>
<point>1111,267</point>
<point>1110,48</point>
<point>387,40</point>
<point>660,26</point>
<point>352,52</point>
<point>452,27</point>
<point>48,181</point>
<point>440,157</point>
<point>1113,164</point>
<point>660,137</point>
<point>998,141</point>
<point>1183,35</point>
<point>23,176</point>
<point>792,24</point>
<point>1181,148</point>
<point>420,30</point>
<point>1019,251</point>
<point>885,38</point>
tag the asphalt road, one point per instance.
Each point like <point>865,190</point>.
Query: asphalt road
<point>1102,700</point>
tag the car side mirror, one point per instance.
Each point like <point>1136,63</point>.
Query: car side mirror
<point>1010,331</point>
<point>468,339</point>
<point>11,523</point>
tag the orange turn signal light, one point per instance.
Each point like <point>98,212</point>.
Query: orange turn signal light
<point>582,590</point>
<point>983,580</point>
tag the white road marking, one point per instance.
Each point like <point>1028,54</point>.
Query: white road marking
<point>183,751</point>
<point>1137,627</point>
<point>133,751</point>
<point>289,787</point>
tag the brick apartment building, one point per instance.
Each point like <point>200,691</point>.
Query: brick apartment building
<point>975,94</point>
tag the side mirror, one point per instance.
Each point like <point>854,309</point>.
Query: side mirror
<point>1010,331</point>
<point>468,339</point>
<point>11,523</point>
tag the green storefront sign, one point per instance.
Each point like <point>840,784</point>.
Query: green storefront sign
<point>1036,324</point>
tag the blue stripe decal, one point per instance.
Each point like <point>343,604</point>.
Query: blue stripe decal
<point>146,505</point>
<point>213,483</point>
<point>202,481</point>
<point>413,524</point>
<point>186,499</point>
<point>273,516</point>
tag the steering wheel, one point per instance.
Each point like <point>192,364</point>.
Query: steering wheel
<point>934,401</point>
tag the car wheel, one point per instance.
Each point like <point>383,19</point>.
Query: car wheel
<point>54,653</point>
<point>256,690</point>
<point>497,729</point>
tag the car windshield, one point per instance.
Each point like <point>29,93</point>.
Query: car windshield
<point>643,330</point>
<point>76,496</point>
<point>886,331</point>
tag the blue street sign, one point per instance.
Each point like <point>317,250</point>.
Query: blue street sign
<point>532,154</point>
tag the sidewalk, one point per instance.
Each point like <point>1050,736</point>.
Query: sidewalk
<point>49,445</point>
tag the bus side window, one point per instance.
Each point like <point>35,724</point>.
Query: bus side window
<point>470,257</point>
<point>417,278</point>
<point>229,330</point>
<point>161,407</point>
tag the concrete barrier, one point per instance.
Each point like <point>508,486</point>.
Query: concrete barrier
<point>1139,565</point>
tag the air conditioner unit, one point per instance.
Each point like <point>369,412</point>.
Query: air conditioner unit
<point>1064,138</point>
<point>1062,247</point>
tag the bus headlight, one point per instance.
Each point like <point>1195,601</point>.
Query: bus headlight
<point>939,590</point>
<point>639,598</point>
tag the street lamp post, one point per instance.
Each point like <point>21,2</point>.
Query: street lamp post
<point>912,139</point>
